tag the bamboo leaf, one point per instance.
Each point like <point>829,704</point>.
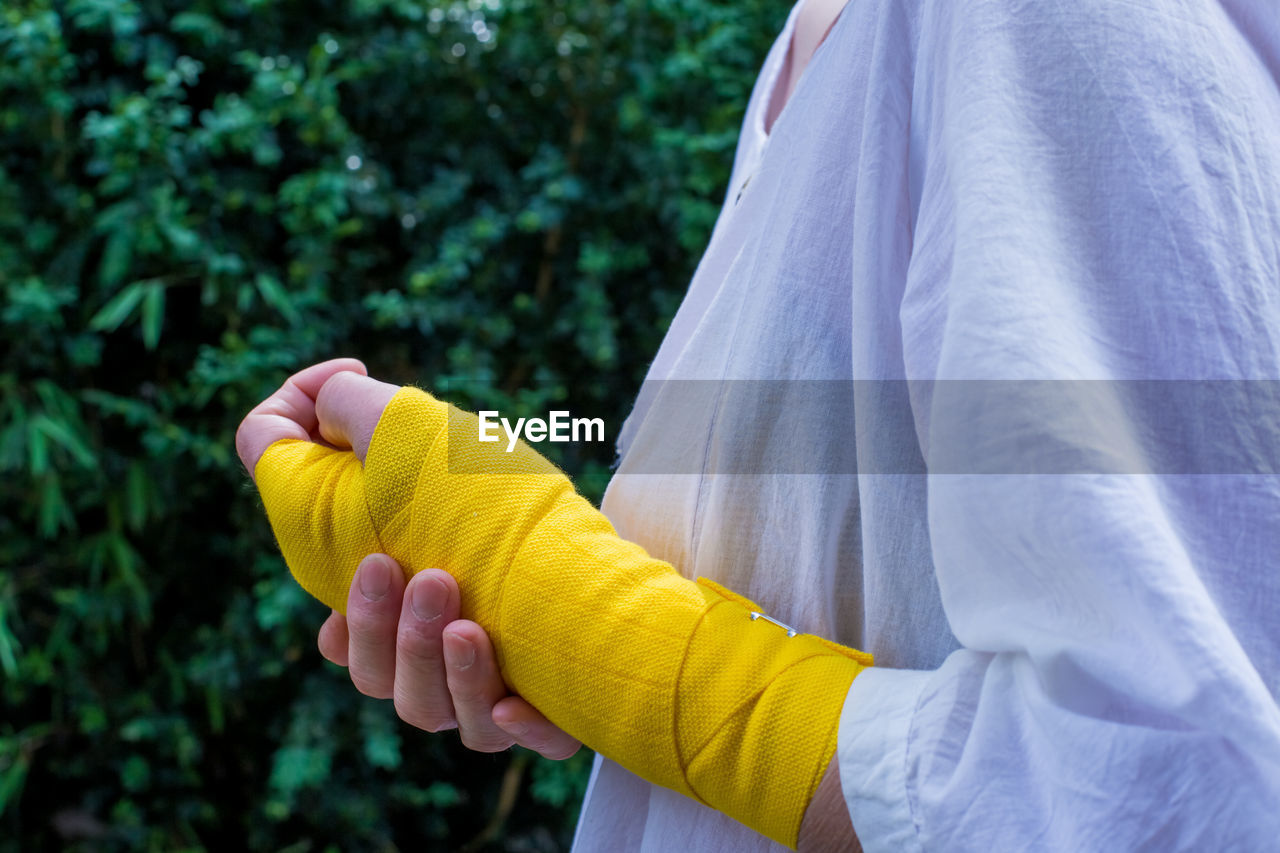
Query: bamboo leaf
<point>54,513</point>
<point>12,445</point>
<point>37,450</point>
<point>9,645</point>
<point>152,315</point>
<point>117,257</point>
<point>62,435</point>
<point>55,400</point>
<point>13,775</point>
<point>118,309</point>
<point>274,294</point>
<point>127,563</point>
<point>134,413</point>
<point>116,217</point>
<point>136,497</point>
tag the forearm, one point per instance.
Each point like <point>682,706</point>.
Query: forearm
<point>677,680</point>
<point>826,827</point>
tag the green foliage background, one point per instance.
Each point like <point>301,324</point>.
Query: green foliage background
<point>198,197</point>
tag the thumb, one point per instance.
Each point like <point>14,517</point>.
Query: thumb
<point>348,408</point>
<point>288,413</point>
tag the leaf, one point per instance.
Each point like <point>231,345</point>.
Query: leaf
<point>37,449</point>
<point>199,24</point>
<point>152,315</point>
<point>279,600</point>
<point>14,774</point>
<point>118,215</point>
<point>382,749</point>
<point>54,512</point>
<point>135,413</point>
<point>67,264</point>
<point>213,703</point>
<point>274,294</point>
<point>11,444</point>
<point>196,22</point>
<point>297,767</point>
<point>142,728</point>
<point>117,256</point>
<point>55,400</point>
<point>9,647</point>
<point>135,774</point>
<point>182,238</point>
<point>116,311</point>
<point>438,795</point>
<point>62,435</point>
<point>137,494</point>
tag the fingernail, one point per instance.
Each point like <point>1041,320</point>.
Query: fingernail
<point>428,599</point>
<point>375,578</point>
<point>458,652</point>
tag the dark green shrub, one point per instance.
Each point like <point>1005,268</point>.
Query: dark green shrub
<point>199,196</point>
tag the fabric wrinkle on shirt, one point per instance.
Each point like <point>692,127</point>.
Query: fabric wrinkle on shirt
<point>992,191</point>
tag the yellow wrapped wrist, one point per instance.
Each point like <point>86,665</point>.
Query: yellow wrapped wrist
<point>672,679</point>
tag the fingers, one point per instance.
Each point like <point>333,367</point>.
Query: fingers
<point>405,642</point>
<point>348,407</point>
<point>447,677</point>
<point>333,639</point>
<point>290,412</point>
<point>533,731</point>
<point>373,611</point>
<point>475,684</point>
<point>421,691</point>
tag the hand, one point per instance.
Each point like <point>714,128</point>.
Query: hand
<point>439,670</point>
<point>405,642</point>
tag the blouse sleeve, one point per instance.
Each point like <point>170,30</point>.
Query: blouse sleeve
<point>1091,310</point>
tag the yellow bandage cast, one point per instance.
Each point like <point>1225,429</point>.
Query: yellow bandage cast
<point>677,681</point>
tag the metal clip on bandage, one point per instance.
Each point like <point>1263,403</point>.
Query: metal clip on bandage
<point>791,632</point>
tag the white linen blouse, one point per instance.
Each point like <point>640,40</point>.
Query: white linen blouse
<point>1068,658</point>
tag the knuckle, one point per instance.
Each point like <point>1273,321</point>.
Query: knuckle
<point>366,621</point>
<point>425,722</point>
<point>447,724</point>
<point>420,716</point>
<point>372,637</point>
<point>555,744</point>
<point>485,743</point>
<point>333,385</point>
<point>419,645</point>
<point>361,623</point>
<point>560,752</point>
<point>372,687</point>
<point>469,694</point>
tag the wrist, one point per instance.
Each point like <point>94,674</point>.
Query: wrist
<point>826,827</point>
